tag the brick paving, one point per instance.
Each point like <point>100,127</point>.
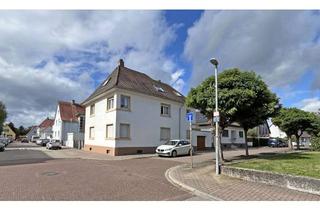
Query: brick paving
<point>203,179</point>
<point>89,180</point>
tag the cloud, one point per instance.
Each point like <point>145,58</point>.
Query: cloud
<point>278,45</point>
<point>47,56</point>
<point>310,104</point>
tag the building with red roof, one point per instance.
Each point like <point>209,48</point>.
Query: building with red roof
<point>44,130</point>
<point>69,121</point>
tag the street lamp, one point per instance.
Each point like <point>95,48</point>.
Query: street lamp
<point>216,113</point>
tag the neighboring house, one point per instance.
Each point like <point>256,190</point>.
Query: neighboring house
<point>69,119</point>
<point>305,139</point>
<point>131,113</point>
<point>32,132</point>
<point>275,131</point>
<point>44,130</point>
<point>232,136</point>
<point>8,132</point>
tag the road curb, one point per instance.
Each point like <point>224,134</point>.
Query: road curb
<point>194,191</point>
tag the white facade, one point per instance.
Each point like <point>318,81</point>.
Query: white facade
<point>57,126</point>
<point>44,133</point>
<point>275,131</point>
<point>232,136</point>
<point>143,117</point>
<point>61,128</point>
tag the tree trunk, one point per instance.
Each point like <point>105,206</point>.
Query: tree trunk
<point>246,141</point>
<point>290,143</point>
<point>298,141</point>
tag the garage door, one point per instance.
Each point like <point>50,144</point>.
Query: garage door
<point>201,142</point>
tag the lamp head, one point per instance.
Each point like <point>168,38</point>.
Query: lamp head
<point>214,61</point>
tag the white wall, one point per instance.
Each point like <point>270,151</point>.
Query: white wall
<point>99,122</point>
<point>144,119</point>
<point>224,140</point>
<point>57,125</point>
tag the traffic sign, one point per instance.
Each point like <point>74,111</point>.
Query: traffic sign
<point>216,119</point>
<point>216,114</point>
<point>189,116</point>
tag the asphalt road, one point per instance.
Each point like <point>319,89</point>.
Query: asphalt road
<point>27,174</point>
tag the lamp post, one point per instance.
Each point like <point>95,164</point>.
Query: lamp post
<point>216,114</point>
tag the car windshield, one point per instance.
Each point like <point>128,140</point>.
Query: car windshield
<point>171,143</point>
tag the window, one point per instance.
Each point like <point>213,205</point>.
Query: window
<point>125,102</point>
<point>164,134</point>
<point>124,130</point>
<point>225,133</point>
<point>241,134</point>
<point>106,82</point>
<point>81,129</point>
<point>109,131</point>
<point>110,103</point>
<point>188,134</point>
<point>159,89</point>
<point>91,133</point>
<point>92,109</point>
<point>165,110</point>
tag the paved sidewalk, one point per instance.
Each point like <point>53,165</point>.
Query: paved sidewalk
<point>203,182</point>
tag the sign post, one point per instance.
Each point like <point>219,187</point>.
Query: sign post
<point>190,118</point>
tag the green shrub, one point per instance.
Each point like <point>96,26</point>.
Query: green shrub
<point>315,143</point>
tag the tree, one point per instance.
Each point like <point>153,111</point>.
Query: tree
<point>249,98</point>
<point>243,97</point>
<point>294,121</point>
<point>3,115</point>
<point>202,98</point>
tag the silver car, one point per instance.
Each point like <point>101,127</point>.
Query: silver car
<point>54,144</point>
<point>174,148</point>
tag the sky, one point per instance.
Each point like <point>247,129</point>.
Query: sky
<point>46,56</point>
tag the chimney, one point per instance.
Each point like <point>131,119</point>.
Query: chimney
<point>121,63</point>
<point>73,101</point>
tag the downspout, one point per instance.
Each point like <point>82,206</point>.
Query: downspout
<point>180,120</point>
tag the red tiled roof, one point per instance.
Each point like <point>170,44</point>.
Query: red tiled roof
<point>69,111</point>
<point>125,78</point>
<point>46,123</point>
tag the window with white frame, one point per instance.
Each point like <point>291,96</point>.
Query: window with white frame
<point>165,134</point>
<point>91,133</point>
<point>109,131</point>
<point>241,134</point>
<point>110,103</point>
<point>92,109</point>
<point>225,133</point>
<point>124,130</point>
<point>165,110</point>
<point>125,102</point>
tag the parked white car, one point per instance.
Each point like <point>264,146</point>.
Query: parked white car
<point>174,148</point>
<point>54,144</point>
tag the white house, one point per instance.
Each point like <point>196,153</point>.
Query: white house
<point>44,130</point>
<point>131,113</point>
<point>32,132</point>
<point>275,131</point>
<point>232,136</point>
<point>69,119</point>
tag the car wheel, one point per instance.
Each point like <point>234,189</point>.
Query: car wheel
<point>189,153</point>
<point>174,153</point>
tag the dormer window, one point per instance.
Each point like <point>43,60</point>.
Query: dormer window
<point>159,89</point>
<point>106,81</point>
<point>178,94</point>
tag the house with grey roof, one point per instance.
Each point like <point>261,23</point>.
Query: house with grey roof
<point>132,113</point>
